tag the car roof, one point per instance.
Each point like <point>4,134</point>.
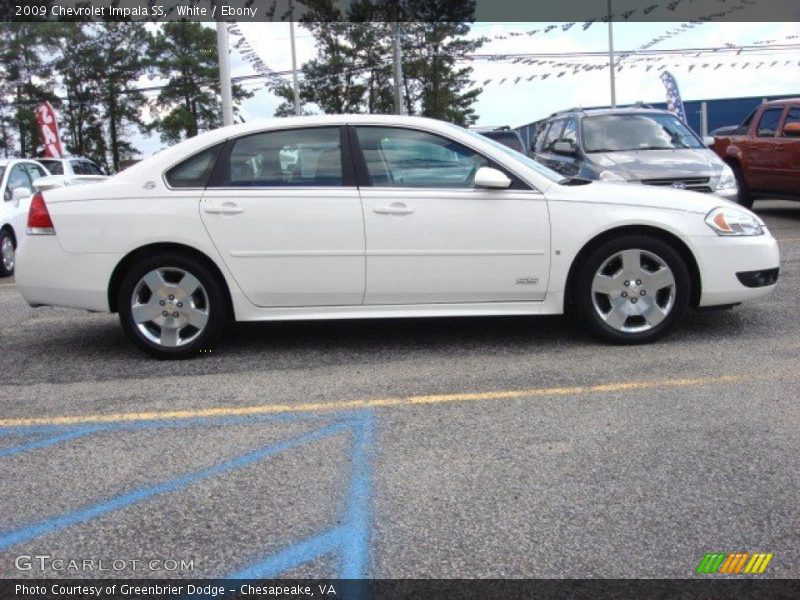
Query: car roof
<point>4,162</point>
<point>183,149</point>
<point>591,112</point>
<point>782,102</point>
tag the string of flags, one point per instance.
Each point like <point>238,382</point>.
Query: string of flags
<point>245,50</point>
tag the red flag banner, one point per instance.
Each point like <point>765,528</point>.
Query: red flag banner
<point>46,117</point>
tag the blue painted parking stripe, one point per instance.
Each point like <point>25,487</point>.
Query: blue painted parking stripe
<point>34,530</point>
<point>297,554</point>
<point>355,546</point>
<point>49,441</point>
<point>351,539</point>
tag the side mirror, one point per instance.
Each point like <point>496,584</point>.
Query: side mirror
<point>486,177</point>
<point>20,193</point>
<point>564,148</point>
<point>708,140</point>
<point>792,130</point>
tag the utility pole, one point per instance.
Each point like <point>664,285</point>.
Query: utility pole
<point>224,73</point>
<point>295,87</point>
<point>611,56</point>
<point>399,107</point>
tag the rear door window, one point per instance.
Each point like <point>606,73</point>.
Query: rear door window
<point>310,157</point>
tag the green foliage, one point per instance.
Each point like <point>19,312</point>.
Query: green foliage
<point>185,54</point>
<point>26,79</point>
<point>352,72</point>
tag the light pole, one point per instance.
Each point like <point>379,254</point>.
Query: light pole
<point>224,73</point>
<point>295,87</point>
<point>399,107</point>
<point>611,57</point>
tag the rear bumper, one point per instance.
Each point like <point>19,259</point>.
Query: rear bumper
<point>722,260</point>
<point>47,275</point>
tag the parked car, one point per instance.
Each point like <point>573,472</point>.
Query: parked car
<point>71,165</point>
<point>16,187</point>
<point>634,145</point>
<point>505,135</point>
<point>459,226</point>
<point>764,152</point>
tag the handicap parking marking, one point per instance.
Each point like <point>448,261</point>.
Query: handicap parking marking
<point>350,540</point>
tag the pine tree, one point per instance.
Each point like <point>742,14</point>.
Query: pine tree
<point>117,52</point>
<point>27,79</point>
<point>352,71</point>
<point>80,121</point>
<point>185,54</point>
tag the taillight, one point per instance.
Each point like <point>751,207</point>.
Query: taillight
<point>39,221</point>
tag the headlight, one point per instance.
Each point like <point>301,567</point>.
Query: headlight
<point>733,221</point>
<point>611,176</point>
<point>727,181</point>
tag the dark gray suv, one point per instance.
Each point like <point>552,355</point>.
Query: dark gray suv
<point>637,145</point>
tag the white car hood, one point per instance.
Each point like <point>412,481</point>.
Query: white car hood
<point>636,194</point>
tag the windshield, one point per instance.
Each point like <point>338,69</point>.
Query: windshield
<point>526,160</point>
<point>54,166</point>
<point>645,131</point>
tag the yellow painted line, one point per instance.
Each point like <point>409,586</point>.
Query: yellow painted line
<point>228,411</point>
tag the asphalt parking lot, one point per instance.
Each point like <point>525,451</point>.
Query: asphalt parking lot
<point>505,447</point>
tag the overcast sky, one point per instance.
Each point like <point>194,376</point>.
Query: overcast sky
<point>509,104</point>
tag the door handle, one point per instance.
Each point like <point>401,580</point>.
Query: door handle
<point>228,208</point>
<point>396,208</point>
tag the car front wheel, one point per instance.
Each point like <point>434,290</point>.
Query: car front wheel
<point>7,254</point>
<point>172,306</point>
<point>633,289</point>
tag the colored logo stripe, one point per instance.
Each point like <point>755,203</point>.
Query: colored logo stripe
<point>758,563</point>
<point>724,563</point>
<point>711,562</point>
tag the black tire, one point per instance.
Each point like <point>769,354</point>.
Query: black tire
<point>745,196</point>
<point>7,239</point>
<point>585,299</point>
<point>215,303</point>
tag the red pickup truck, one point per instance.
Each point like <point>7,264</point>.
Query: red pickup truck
<point>764,152</point>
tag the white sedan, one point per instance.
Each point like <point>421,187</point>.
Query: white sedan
<point>17,178</point>
<point>379,216</point>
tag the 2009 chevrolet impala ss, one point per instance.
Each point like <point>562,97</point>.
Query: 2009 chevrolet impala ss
<point>340,217</point>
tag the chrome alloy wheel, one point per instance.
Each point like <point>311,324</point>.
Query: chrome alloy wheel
<point>170,307</point>
<point>7,254</point>
<point>633,291</point>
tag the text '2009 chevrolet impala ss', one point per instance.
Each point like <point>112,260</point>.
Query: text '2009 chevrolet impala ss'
<point>368,216</point>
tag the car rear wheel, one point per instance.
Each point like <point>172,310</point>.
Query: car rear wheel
<point>7,254</point>
<point>633,289</point>
<point>172,306</point>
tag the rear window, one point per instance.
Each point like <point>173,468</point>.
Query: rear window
<point>195,170</point>
<point>54,166</point>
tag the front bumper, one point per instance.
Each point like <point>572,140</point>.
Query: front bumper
<point>722,259</point>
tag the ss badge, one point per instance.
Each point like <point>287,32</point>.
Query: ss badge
<point>527,280</point>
